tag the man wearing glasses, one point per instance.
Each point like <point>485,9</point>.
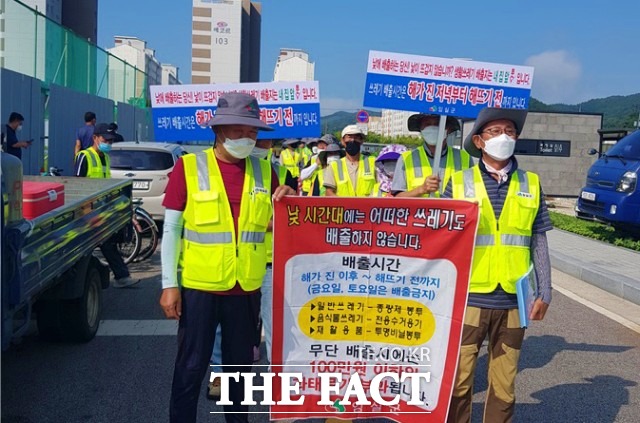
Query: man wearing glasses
<point>510,244</point>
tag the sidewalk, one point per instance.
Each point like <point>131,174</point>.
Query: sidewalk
<point>613,269</point>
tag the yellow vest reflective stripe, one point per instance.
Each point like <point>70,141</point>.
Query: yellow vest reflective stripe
<point>366,177</point>
<point>418,166</point>
<point>281,171</point>
<point>291,160</point>
<point>502,251</point>
<point>213,259</point>
<point>94,164</point>
<point>305,155</point>
<point>309,184</point>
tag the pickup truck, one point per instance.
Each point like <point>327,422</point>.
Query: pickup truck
<point>48,267</point>
<point>611,194</point>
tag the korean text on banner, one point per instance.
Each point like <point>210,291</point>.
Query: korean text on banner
<point>442,86</point>
<point>366,286</point>
<point>181,112</point>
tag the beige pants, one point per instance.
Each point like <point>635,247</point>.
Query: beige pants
<point>505,340</point>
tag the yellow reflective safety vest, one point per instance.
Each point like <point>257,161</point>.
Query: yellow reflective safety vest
<point>365,181</point>
<point>281,171</point>
<point>418,166</point>
<point>502,253</point>
<point>94,164</point>
<point>309,184</point>
<point>305,155</point>
<point>213,257</point>
<point>291,160</point>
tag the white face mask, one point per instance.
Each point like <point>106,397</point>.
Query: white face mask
<point>314,150</point>
<point>19,128</point>
<point>240,148</point>
<point>430,135</point>
<point>260,153</point>
<point>331,159</point>
<point>500,148</point>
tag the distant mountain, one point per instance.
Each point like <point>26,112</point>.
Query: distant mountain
<point>619,111</point>
<point>338,120</point>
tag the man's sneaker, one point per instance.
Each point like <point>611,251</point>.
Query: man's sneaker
<point>124,282</point>
<point>214,389</point>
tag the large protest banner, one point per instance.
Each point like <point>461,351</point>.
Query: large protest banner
<point>181,112</point>
<point>443,86</point>
<point>365,286</point>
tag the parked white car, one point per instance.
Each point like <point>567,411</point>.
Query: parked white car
<point>149,164</point>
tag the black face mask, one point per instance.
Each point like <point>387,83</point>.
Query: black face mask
<point>352,148</point>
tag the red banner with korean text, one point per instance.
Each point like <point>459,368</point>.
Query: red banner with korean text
<point>366,286</point>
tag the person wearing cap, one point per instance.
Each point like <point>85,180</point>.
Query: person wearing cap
<point>290,157</point>
<point>386,165</point>
<point>93,162</point>
<point>309,175</point>
<point>218,212</point>
<point>414,176</point>
<point>261,151</point>
<point>113,128</point>
<point>511,240</point>
<point>355,174</point>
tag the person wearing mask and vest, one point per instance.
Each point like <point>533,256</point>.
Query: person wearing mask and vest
<point>511,242</point>
<point>261,151</point>
<point>386,165</point>
<point>310,174</point>
<point>218,210</point>
<point>93,162</point>
<point>414,175</point>
<point>355,174</point>
<point>290,157</point>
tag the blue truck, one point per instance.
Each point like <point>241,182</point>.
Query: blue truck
<point>611,194</point>
<point>49,273</point>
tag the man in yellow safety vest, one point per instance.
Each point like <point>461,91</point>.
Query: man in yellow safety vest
<point>414,175</point>
<point>355,174</point>
<point>218,212</point>
<point>511,244</point>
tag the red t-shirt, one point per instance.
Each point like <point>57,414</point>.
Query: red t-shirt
<point>233,178</point>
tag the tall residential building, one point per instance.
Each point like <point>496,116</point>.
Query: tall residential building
<point>293,65</point>
<point>225,41</point>
<point>170,75</point>
<point>135,52</point>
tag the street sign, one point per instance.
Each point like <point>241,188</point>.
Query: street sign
<point>362,116</point>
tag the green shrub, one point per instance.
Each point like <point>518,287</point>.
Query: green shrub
<point>594,230</point>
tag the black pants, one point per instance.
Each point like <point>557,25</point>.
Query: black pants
<point>201,313</point>
<point>112,255</point>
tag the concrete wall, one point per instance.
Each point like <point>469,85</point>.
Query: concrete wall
<point>560,176</point>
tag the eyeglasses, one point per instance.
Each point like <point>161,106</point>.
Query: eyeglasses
<point>494,132</point>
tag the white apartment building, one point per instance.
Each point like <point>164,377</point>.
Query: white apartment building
<point>225,41</point>
<point>135,52</point>
<point>170,75</point>
<point>293,65</point>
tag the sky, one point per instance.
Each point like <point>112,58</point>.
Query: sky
<point>580,50</point>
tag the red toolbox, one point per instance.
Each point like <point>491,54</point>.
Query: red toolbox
<point>39,198</point>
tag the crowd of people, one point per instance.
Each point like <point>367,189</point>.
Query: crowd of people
<point>218,226</point>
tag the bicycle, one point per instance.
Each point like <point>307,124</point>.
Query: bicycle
<point>141,239</point>
<point>146,232</point>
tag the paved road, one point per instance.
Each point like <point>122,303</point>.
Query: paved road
<point>577,366</point>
